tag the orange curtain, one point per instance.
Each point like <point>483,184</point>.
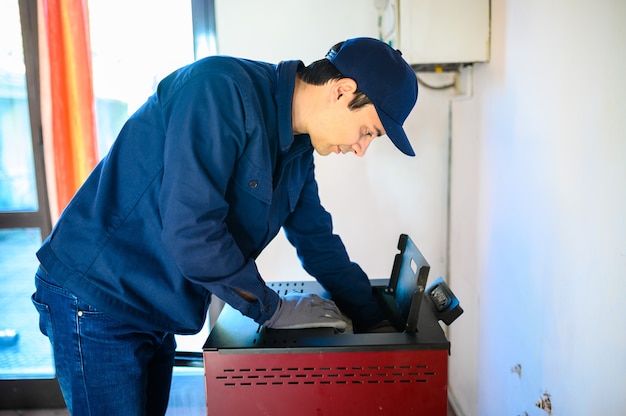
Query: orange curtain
<point>67,98</point>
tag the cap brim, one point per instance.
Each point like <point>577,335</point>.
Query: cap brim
<point>396,133</point>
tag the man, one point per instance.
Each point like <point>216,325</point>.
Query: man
<point>198,182</point>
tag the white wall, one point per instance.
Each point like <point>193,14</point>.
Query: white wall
<point>276,30</point>
<point>373,199</point>
<point>538,196</point>
<point>538,236</point>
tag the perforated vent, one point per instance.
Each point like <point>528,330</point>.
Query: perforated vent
<point>233,377</point>
<point>282,288</point>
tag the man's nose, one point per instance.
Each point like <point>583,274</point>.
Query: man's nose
<point>362,145</point>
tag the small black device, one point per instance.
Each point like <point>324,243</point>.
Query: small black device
<point>444,302</point>
<point>402,298</point>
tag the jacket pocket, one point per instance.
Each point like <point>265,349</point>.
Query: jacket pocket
<point>254,181</point>
<point>44,315</point>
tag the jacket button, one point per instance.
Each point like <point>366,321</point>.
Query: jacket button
<point>253,183</point>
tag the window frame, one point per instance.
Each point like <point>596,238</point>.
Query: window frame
<point>41,218</point>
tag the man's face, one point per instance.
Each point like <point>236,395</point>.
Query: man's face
<point>341,130</point>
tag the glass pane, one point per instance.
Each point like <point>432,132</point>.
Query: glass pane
<point>24,351</point>
<point>18,189</point>
<point>150,40</point>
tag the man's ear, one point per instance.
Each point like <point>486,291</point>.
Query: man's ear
<point>344,87</point>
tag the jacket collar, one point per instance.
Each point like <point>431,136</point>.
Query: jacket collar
<point>286,83</point>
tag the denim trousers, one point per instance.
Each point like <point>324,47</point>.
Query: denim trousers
<point>104,366</point>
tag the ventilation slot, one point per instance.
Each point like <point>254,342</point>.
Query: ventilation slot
<point>246,377</point>
<point>282,288</point>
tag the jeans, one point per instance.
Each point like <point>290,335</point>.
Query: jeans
<point>104,366</point>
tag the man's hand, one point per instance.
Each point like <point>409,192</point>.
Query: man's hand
<point>305,310</point>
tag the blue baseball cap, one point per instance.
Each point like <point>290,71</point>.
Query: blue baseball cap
<point>387,80</point>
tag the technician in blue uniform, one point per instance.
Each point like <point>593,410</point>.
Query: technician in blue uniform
<point>200,179</point>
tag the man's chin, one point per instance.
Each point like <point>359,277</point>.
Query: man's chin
<point>323,152</point>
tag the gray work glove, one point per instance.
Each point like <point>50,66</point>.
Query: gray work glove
<point>305,310</point>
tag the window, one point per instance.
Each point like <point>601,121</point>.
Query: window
<point>23,352</point>
<point>132,51</point>
<point>147,44</point>
<point>128,63</point>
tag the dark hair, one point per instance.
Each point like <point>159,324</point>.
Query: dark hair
<point>322,71</point>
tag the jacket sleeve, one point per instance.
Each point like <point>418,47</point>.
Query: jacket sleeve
<point>204,122</point>
<point>309,229</point>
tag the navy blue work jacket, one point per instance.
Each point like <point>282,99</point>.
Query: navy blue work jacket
<point>198,182</point>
